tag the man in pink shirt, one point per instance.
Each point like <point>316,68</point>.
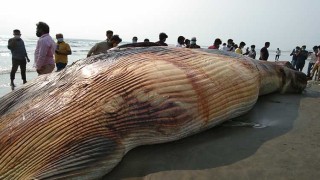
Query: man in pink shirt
<point>43,55</point>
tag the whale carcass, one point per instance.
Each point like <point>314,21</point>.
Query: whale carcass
<point>80,122</point>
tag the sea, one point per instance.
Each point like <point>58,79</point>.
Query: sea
<point>80,48</point>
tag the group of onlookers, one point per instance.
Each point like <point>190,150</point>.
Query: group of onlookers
<point>299,56</point>
<point>103,46</point>
<point>49,54</point>
<point>230,46</point>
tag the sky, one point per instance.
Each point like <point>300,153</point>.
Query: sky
<point>284,23</point>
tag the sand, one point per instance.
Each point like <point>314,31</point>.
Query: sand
<point>5,87</point>
<point>286,146</point>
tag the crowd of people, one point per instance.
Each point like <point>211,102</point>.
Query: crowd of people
<point>229,46</point>
<point>299,55</point>
<point>49,54</point>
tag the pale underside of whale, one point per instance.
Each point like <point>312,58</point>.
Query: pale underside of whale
<point>80,122</point>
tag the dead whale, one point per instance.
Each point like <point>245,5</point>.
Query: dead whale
<point>80,122</point>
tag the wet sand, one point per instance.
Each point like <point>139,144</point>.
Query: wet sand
<point>285,144</point>
<point>5,87</point>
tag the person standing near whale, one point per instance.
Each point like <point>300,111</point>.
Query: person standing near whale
<point>264,53</point>
<point>294,56</point>
<point>43,55</point>
<point>302,55</point>
<point>162,39</point>
<point>239,49</point>
<point>104,46</point>
<point>193,43</point>
<point>19,57</point>
<point>180,42</point>
<point>135,39</point>
<point>278,53</point>
<point>61,53</point>
<point>252,52</point>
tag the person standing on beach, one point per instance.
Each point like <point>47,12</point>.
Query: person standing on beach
<point>224,47</point>
<point>19,57</point>
<point>101,46</point>
<point>162,39</point>
<point>294,57</point>
<point>193,43</point>
<point>109,35</point>
<point>278,53</point>
<point>313,59</point>
<point>104,46</point>
<point>316,66</point>
<point>216,44</point>
<point>230,45</point>
<point>181,42</point>
<point>302,55</point>
<point>235,46</point>
<point>187,43</point>
<point>264,53</point>
<point>134,39</point>
<point>61,53</point>
<point>43,55</point>
<point>239,49</point>
<point>247,51</point>
<point>252,52</point>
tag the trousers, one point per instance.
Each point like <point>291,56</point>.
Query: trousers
<point>15,64</point>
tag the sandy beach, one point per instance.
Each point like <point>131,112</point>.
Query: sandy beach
<point>284,145</point>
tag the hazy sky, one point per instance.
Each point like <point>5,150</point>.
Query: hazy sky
<point>285,23</point>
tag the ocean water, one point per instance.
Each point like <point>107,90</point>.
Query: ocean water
<point>79,47</point>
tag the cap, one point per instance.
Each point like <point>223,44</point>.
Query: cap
<point>16,32</point>
<point>193,39</point>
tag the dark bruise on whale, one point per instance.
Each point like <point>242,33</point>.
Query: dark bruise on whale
<point>80,122</point>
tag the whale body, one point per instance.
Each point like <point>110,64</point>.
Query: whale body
<point>80,122</point>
